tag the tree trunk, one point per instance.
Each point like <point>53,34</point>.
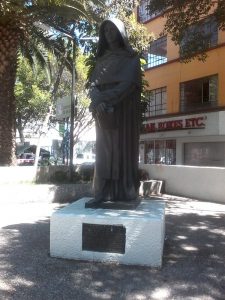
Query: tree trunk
<point>47,117</point>
<point>8,64</point>
<point>20,129</point>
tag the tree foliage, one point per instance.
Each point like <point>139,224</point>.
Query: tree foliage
<point>32,96</point>
<point>23,25</point>
<point>180,14</point>
<point>138,35</point>
<point>83,118</point>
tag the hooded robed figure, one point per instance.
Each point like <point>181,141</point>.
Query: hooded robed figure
<point>115,88</point>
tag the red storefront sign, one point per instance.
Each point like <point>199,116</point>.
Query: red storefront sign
<point>179,124</point>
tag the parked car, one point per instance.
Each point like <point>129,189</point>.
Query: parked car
<point>84,158</point>
<point>25,159</point>
<point>44,159</point>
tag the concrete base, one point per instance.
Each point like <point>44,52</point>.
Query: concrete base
<point>144,227</point>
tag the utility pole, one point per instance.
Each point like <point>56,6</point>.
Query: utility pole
<point>72,110</point>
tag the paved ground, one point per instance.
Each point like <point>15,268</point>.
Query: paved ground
<point>193,261</point>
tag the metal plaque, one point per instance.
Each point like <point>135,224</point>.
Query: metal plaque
<point>103,238</point>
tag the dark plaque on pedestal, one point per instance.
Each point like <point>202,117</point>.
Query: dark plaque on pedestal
<point>104,238</point>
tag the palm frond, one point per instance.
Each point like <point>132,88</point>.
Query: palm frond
<point>27,53</point>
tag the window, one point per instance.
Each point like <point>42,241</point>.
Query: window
<point>199,37</point>
<point>144,14</point>
<point>204,154</point>
<point>156,104</point>
<point>198,94</point>
<point>160,152</point>
<point>156,53</point>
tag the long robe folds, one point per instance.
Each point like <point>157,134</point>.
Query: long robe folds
<point>116,82</point>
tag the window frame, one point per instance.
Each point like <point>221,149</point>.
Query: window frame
<point>204,153</point>
<point>211,102</point>
<point>159,96</point>
<point>143,15</point>
<point>159,152</point>
<point>153,60</point>
<point>203,35</point>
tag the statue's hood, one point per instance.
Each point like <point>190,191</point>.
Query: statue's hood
<point>120,65</point>
<point>122,30</point>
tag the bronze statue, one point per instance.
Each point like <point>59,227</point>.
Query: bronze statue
<point>115,88</point>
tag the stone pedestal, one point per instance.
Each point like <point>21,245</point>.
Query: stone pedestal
<point>133,237</point>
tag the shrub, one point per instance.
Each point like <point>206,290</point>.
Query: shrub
<point>59,177</point>
<point>143,175</point>
<point>86,171</point>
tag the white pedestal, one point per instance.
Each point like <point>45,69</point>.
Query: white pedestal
<point>144,238</point>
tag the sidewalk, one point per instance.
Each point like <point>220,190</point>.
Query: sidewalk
<point>193,260</point>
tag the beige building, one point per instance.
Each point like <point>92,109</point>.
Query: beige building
<point>185,117</point>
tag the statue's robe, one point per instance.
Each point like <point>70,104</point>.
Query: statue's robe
<point>116,82</point>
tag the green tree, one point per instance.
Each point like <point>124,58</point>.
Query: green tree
<point>23,26</point>
<point>139,37</point>
<point>83,118</point>
<point>182,14</point>
<point>32,97</point>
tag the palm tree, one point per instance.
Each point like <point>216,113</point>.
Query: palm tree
<point>22,27</point>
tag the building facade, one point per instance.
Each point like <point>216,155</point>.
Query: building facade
<point>185,117</point>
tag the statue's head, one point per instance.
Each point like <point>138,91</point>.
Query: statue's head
<point>111,31</point>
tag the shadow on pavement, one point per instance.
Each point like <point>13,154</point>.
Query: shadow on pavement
<point>193,263</point>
